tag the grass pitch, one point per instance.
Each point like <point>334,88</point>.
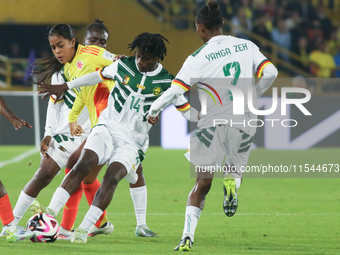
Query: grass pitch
<point>275,215</point>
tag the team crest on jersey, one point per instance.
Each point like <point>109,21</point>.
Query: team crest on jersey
<point>126,80</point>
<point>157,91</point>
<point>80,64</point>
<point>62,148</point>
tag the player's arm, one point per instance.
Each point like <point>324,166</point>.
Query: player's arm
<point>263,69</point>
<point>188,112</point>
<point>179,85</point>
<point>164,100</point>
<point>90,79</point>
<point>77,108</point>
<point>53,109</point>
<point>11,117</point>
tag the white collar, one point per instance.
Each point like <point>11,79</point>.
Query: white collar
<point>152,73</point>
<point>217,38</point>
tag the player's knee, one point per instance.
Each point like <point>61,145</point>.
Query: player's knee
<point>42,178</point>
<point>83,167</point>
<point>111,179</point>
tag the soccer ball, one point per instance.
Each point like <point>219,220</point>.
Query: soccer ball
<point>44,227</point>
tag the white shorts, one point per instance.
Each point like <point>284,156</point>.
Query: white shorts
<point>220,146</point>
<point>111,149</point>
<point>61,147</point>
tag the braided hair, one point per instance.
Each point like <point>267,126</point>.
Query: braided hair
<point>210,16</point>
<point>148,43</point>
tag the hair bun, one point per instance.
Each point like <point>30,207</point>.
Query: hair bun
<point>213,9</point>
<point>98,21</point>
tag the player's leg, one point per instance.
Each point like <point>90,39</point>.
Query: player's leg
<point>43,176</point>
<point>70,210</point>
<point>238,147</point>
<point>88,160</point>
<point>94,152</point>
<point>124,161</point>
<point>114,173</point>
<point>195,205</point>
<point>58,152</point>
<point>206,149</point>
<point>6,213</point>
<point>10,230</point>
<point>138,194</point>
<point>91,186</point>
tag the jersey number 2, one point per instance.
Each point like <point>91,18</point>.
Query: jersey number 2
<point>226,71</point>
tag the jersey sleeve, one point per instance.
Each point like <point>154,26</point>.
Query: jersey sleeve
<point>77,107</point>
<point>181,103</point>
<point>52,108</point>
<point>110,72</point>
<point>57,79</point>
<point>259,61</point>
<point>91,62</point>
<point>189,70</point>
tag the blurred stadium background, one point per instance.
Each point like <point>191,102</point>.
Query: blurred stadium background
<point>275,216</point>
<point>300,37</point>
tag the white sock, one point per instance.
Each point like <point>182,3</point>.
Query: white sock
<point>139,199</point>
<point>59,199</point>
<point>238,179</point>
<point>91,218</point>
<point>12,227</point>
<point>192,215</point>
<point>23,203</point>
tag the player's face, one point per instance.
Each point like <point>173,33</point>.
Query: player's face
<point>97,37</point>
<point>62,48</point>
<point>146,62</point>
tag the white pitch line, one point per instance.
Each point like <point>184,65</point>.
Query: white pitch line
<point>19,157</point>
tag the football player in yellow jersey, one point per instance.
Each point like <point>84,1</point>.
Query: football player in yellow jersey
<point>95,34</point>
<point>58,145</point>
<point>79,60</point>
<point>10,230</point>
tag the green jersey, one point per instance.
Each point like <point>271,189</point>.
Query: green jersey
<point>131,98</point>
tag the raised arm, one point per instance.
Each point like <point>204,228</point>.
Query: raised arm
<point>58,90</point>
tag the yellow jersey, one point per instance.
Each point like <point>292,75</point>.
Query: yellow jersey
<point>89,59</point>
<point>325,62</point>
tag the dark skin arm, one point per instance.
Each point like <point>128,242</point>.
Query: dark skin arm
<point>152,120</point>
<point>57,90</point>
<point>11,117</point>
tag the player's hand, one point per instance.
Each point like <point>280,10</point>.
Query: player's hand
<point>117,57</point>
<point>45,143</point>
<point>198,116</point>
<point>56,90</point>
<point>152,120</point>
<point>19,123</point>
<point>76,129</point>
